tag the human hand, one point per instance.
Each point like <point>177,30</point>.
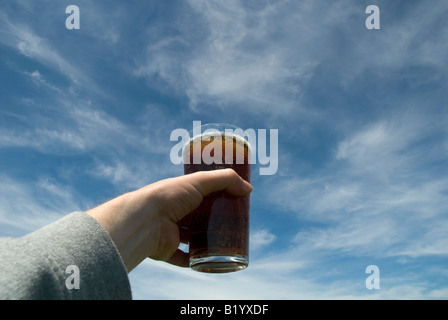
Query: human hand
<point>143,223</point>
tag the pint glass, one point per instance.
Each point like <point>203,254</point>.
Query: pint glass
<point>219,227</point>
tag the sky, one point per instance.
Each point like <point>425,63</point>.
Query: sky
<point>86,115</point>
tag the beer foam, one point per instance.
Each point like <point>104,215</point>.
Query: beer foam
<point>224,138</point>
<point>228,136</point>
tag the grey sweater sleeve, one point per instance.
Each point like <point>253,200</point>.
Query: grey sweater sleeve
<point>72,258</point>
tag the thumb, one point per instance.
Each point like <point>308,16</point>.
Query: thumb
<point>200,184</point>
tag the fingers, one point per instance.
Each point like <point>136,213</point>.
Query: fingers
<point>176,197</point>
<point>180,258</point>
<point>201,184</point>
<point>225,179</point>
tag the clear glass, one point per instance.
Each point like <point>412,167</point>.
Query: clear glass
<point>219,227</point>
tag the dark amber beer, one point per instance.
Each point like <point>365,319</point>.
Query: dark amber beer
<point>219,227</point>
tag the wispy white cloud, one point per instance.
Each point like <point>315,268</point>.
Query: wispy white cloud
<point>128,173</point>
<point>240,57</point>
<point>27,206</point>
<point>263,56</point>
<point>37,78</point>
<point>406,40</point>
<point>245,59</point>
<point>280,277</point>
<point>76,129</point>
<point>167,282</point>
<point>261,238</point>
<point>23,39</point>
<point>379,191</point>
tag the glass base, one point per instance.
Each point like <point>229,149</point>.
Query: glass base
<point>219,264</point>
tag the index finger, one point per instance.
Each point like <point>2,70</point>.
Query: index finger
<point>207,182</point>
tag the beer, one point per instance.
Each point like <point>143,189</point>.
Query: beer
<point>219,227</point>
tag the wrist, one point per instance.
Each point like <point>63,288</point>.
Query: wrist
<point>129,221</point>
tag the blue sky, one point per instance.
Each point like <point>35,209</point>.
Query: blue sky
<point>362,178</point>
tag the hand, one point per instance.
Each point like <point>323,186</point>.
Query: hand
<point>143,223</point>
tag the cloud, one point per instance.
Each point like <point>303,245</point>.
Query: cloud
<point>406,42</point>
<point>166,282</point>
<point>259,56</point>
<point>38,79</point>
<point>284,276</point>
<point>241,62</point>
<point>31,45</point>
<point>264,56</point>
<point>382,194</point>
<point>28,205</point>
<point>76,129</point>
<point>129,173</point>
<point>379,149</point>
<point>261,238</point>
